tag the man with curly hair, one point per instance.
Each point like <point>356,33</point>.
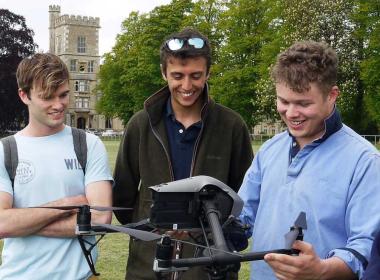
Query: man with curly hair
<point>319,166</point>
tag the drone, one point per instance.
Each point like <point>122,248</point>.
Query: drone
<point>199,204</point>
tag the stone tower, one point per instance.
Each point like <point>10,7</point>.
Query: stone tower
<point>75,39</point>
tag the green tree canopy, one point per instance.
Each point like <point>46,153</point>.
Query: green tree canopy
<point>16,42</point>
<point>131,72</point>
<point>246,37</point>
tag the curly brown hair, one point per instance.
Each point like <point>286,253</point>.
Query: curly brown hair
<point>45,71</point>
<point>304,63</point>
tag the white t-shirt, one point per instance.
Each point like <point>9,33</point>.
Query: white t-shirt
<point>48,170</point>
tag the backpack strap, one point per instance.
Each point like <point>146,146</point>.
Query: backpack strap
<point>10,156</point>
<point>80,146</point>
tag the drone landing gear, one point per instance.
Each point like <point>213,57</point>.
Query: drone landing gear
<point>87,252</point>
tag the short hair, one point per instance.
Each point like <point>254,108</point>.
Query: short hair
<point>186,51</point>
<point>42,70</point>
<point>304,63</point>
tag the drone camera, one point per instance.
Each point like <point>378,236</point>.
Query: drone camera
<point>181,202</point>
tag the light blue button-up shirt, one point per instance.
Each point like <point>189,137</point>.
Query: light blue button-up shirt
<point>335,180</point>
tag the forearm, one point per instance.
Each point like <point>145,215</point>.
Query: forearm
<point>64,227</point>
<point>16,222</point>
<point>23,222</point>
<point>336,268</point>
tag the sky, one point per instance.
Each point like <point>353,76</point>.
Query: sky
<point>111,14</point>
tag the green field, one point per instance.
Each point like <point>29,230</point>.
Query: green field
<point>113,249</point>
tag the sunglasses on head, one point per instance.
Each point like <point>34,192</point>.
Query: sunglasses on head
<point>176,44</point>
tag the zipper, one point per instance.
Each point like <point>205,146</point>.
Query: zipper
<point>196,145</point>
<point>163,146</point>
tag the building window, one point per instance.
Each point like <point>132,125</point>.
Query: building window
<point>108,123</point>
<point>82,67</point>
<point>81,102</point>
<point>73,65</point>
<point>82,86</point>
<point>81,44</point>
<point>58,44</point>
<point>90,66</point>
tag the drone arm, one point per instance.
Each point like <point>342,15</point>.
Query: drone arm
<point>212,216</point>
<point>225,259</point>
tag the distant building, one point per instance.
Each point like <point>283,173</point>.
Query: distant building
<point>75,39</point>
<point>269,128</point>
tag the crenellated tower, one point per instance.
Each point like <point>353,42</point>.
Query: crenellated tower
<point>75,39</point>
<point>54,13</point>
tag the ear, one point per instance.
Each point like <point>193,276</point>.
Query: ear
<point>23,96</point>
<point>333,94</point>
<point>163,73</point>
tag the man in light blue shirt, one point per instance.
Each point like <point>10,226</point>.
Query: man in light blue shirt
<point>319,166</point>
<point>40,244</point>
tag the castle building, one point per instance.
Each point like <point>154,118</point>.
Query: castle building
<point>75,39</point>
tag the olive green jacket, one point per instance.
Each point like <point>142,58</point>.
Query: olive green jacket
<point>223,150</point>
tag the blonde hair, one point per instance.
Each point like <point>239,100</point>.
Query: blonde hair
<point>45,71</point>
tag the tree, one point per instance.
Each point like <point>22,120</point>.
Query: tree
<point>368,14</point>
<point>320,20</point>
<point>16,42</point>
<point>235,72</point>
<point>131,72</point>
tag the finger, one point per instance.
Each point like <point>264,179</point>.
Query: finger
<point>280,258</point>
<point>304,247</point>
<point>281,269</point>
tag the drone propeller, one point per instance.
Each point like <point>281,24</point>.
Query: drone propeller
<point>73,207</point>
<point>136,233</point>
<point>295,232</point>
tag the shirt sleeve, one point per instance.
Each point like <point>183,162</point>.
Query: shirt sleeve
<point>250,193</point>
<point>5,181</point>
<point>362,215</point>
<point>97,167</point>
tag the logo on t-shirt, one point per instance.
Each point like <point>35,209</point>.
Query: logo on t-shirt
<point>72,164</point>
<point>25,172</point>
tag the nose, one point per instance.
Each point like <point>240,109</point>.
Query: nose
<point>292,111</point>
<point>57,103</point>
<point>187,84</point>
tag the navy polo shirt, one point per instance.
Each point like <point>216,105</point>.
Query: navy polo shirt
<point>181,143</point>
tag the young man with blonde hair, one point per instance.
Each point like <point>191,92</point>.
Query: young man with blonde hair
<point>40,243</point>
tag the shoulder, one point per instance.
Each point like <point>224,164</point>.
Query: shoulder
<point>139,118</point>
<point>354,142</point>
